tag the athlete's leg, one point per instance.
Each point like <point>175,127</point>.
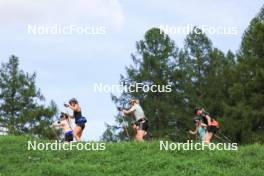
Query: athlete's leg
<point>80,133</point>
<point>208,137</point>
<point>140,135</point>
<point>76,132</point>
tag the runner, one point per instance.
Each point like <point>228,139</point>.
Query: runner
<point>79,119</point>
<point>212,125</point>
<point>141,123</point>
<point>200,129</point>
<point>64,123</point>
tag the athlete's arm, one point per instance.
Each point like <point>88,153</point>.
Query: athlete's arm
<point>208,118</point>
<point>203,125</point>
<point>70,116</point>
<point>194,132</point>
<point>131,110</point>
<point>56,124</point>
<point>75,108</point>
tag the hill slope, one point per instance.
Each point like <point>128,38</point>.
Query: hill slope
<point>127,159</point>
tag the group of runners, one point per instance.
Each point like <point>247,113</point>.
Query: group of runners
<point>65,124</point>
<point>206,126</point>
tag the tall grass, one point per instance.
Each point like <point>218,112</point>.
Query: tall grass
<point>128,158</point>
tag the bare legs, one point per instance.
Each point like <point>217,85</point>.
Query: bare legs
<point>139,134</point>
<point>77,132</point>
<point>208,137</point>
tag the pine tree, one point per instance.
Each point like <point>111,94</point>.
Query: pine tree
<point>152,64</point>
<point>197,75</point>
<point>22,108</point>
<point>245,110</point>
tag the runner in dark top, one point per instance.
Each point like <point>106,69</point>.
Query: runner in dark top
<point>79,119</point>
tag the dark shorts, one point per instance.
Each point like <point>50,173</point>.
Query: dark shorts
<point>82,125</point>
<point>68,137</point>
<point>212,129</point>
<point>143,125</point>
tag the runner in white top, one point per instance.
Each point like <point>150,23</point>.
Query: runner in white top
<point>141,124</point>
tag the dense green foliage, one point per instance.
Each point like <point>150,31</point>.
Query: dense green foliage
<point>246,100</point>
<point>22,106</point>
<point>127,159</point>
<point>229,86</point>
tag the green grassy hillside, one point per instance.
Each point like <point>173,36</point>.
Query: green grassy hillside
<point>127,159</point>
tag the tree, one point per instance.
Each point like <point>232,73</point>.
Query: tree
<point>229,86</point>
<point>245,110</point>
<point>196,74</point>
<point>109,134</point>
<point>152,64</point>
<point>22,108</point>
